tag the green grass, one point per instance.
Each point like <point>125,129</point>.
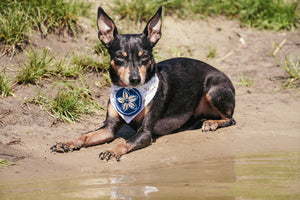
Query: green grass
<point>43,63</point>
<point>261,14</point>
<point>246,81</point>
<point>143,10</point>
<point>89,63</point>
<point>36,67</point>
<point>65,69</point>
<point>101,51</point>
<point>5,163</point>
<point>14,25</point>
<point>19,18</point>
<point>291,66</point>
<point>5,88</point>
<point>212,52</point>
<point>70,103</point>
<point>181,51</point>
<point>136,10</point>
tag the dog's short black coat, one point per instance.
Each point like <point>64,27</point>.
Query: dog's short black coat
<point>191,94</point>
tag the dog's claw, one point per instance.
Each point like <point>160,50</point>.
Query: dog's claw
<point>60,148</point>
<point>107,155</point>
<point>100,155</point>
<point>118,158</point>
<point>104,155</point>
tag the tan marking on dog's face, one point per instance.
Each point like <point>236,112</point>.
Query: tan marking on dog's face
<point>143,71</point>
<point>124,53</point>
<point>123,73</point>
<point>140,53</point>
<point>114,66</point>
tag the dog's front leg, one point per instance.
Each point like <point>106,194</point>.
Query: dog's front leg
<point>106,133</point>
<point>141,139</point>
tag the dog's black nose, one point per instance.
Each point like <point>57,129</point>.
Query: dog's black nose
<point>134,80</point>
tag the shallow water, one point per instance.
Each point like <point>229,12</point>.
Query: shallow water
<point>252,176</point>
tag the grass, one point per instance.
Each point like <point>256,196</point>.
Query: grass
<point>247,82</point>
<point>211,52</point>
<point>87,62</point>
<point>65,69</point>
<point>101,51</point>
<point>143,10</point>
<point>37,66</point>
<point>291,66</point>
<point>14,25</point>
<point>43,63</point>
<point>19,18</point>
<point>181,51</point>
<point>70,103</point>
<point>5,163</point>
<point>5,88</point>
<point>261,14</point>
<point>136,10</point>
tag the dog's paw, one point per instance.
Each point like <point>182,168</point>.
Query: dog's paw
<point>106,155</point>
<point>209,125</point>
<point>63,147</point>
<point>116,153</point>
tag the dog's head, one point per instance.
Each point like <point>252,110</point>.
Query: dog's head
<point>132,62</point>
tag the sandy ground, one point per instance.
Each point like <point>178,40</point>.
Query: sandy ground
<point>268,117</point>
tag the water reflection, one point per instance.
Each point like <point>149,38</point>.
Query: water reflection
<point>252,176</point>
<point>112,187</point>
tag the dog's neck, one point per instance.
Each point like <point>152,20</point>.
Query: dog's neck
<point>129,102</point>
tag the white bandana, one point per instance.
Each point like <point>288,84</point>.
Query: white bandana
<point>129,102</point>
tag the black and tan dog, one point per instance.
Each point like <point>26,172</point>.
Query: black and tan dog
<point>155,99</point>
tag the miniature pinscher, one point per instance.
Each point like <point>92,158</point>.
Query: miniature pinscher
<point>154,99</point>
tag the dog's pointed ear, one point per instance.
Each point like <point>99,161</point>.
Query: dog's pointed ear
<point>153,28</point>
<point>107,30</point>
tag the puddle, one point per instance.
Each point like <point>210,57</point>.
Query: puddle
<point>253,176</point>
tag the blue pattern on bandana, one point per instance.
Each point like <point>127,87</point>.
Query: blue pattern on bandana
<point>128,101</point>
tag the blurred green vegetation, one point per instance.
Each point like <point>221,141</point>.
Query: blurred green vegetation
<point>20,17</point>
<point>261,14</point>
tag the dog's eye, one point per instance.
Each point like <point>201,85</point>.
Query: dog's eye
<point>119,57</point>
<point>145,57</point>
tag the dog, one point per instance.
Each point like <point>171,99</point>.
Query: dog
<point>154,99</point>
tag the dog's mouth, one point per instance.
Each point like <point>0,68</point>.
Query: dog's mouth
<point>135,85</point>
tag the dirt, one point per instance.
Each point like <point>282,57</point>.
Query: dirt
<point>267,116</point>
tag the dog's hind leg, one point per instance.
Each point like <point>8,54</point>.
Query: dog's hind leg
<point>217,106</point>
